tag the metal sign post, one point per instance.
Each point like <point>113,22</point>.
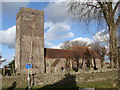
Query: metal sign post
<point>28,66</point>
<point>28,79</point>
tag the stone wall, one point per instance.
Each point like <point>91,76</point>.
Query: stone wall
<point>62,78</point>
<point>55,65</point>
<point>79,77</point>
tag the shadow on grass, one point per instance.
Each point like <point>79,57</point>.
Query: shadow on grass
<point>68,82</point>
<point>14,84</point>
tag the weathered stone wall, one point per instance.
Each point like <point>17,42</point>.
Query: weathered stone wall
<point>62,63</point>
<point>44,79</point>
<point>56,67</point>
<point>79,77</point>
<point>29,40</point>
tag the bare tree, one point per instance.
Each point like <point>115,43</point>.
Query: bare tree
<point>68,44</point>
<point>95,45</point>
<point>100,49</point>
<point>100,10</point>
<point>1,60</point>
<point>65,45</point>
<point>78,43</point>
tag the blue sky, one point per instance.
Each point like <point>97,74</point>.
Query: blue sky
<point>58,26</point>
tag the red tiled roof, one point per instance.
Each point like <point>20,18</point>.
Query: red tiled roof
<point>74,52</point>
<point>84,50</point>
<point>57,53</point>
<point>94,53</point>
<point>80,50</point>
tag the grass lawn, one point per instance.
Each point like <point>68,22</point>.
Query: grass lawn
<point>101,84</point>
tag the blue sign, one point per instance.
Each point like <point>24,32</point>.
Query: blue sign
<point>28,66</point>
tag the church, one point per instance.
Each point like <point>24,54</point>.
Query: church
<point>30,48</point>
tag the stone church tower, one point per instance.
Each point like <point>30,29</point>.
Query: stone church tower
<point>29,40</point>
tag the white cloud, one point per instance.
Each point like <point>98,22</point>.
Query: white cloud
<point>56,46</point>
<point>87,40</point>
<point>8,37</point>
<point>57,12</point>
<point>47,25</point>
<point>54,32</point>
<point>51,45</point>
<point>102,36</point>
<point>70,34</point>
<point>48,44</point>
<point>58,31</point>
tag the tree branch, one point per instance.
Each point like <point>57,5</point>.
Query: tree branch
<point>116,6</point>
<point>118,21</point>
<point>104,10</point>
<point>95,6</point>
<point>109,6</point>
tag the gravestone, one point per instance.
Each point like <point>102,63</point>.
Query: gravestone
<point>29,40</point>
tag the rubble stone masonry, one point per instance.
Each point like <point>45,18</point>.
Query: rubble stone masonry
<point>29,40</point>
